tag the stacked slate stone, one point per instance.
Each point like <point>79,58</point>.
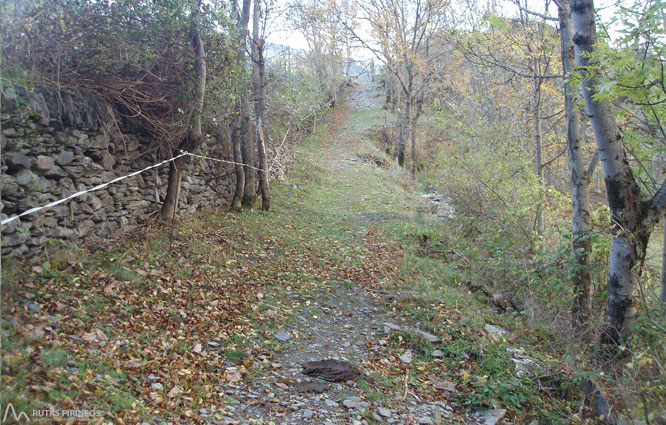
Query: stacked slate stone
<point>56,144</point>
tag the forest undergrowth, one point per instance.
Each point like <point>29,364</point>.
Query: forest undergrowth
<point>158,324</point>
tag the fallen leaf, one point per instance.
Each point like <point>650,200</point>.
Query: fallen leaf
<point>234,376</point>
<point>197,348</point>
<point>133,364</point>
<point>173,392</point>
<point>101,335</point>
<point>89,336</point>
<point>38,332</point>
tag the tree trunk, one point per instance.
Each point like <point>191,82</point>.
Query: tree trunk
<point>404,130</point>
<point>239,132</point>
<point>632,220</point>
<point>173,189</point>
<point>404,125</point>
<point>413,137</point>
<point>238,159</point>
<point>389,87</point>
<point>580,201</point>
<point>662,297</point>
<point>247,150</point>
<point>259,64</point>
<point>194,137</point>
<point>415,118</point>
<point>537,142</point>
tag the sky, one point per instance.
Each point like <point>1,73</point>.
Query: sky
<point>282,34</point>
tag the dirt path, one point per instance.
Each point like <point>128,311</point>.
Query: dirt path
<point>213,327</point>
<point>333,322</point>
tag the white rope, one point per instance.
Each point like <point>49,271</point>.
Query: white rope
<point>218,160</point>
<point>117,179</point>
<point>83,192</point>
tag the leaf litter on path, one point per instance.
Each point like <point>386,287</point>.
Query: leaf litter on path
<point>193,313</point>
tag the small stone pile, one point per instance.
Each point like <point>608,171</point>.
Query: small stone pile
<point>367,95</point>
<point>440,205</point>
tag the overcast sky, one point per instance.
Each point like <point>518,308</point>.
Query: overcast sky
<point>282,34</point>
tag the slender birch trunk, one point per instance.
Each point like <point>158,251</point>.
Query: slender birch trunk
<point>580,201</point>
<point>632,218</point>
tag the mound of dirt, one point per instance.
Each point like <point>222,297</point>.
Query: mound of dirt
<point>331,370</point>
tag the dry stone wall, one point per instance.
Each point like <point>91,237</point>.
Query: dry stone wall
<point>55,144</point>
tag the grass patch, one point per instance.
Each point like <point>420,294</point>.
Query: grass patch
<point>221,289</point>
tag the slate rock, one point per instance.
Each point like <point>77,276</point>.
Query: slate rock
<point>101,142</point>
<point>282,336</point>
<point>108,161</point>
<point>434,339</point>
<point>310,387</point>
<point>388,327</point>
<point>10,188</point>
<point>526,365</point>
<point>492,416</point>
<point>62,233</point>
<point>349,404</point>
<point>10,93</point>
<point>56,171</point>
<point>16,161</point>
<point>496,330</point>
<point>43,109</point>
<point>9,132</point>
<point>75,338</point>
<point>95,203</point>
<point>406,357</point>
<point>14,239</point>
<point>64,158</point>
<point>25,178</point>
<point>44,163</point>
<point>444,385</point>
